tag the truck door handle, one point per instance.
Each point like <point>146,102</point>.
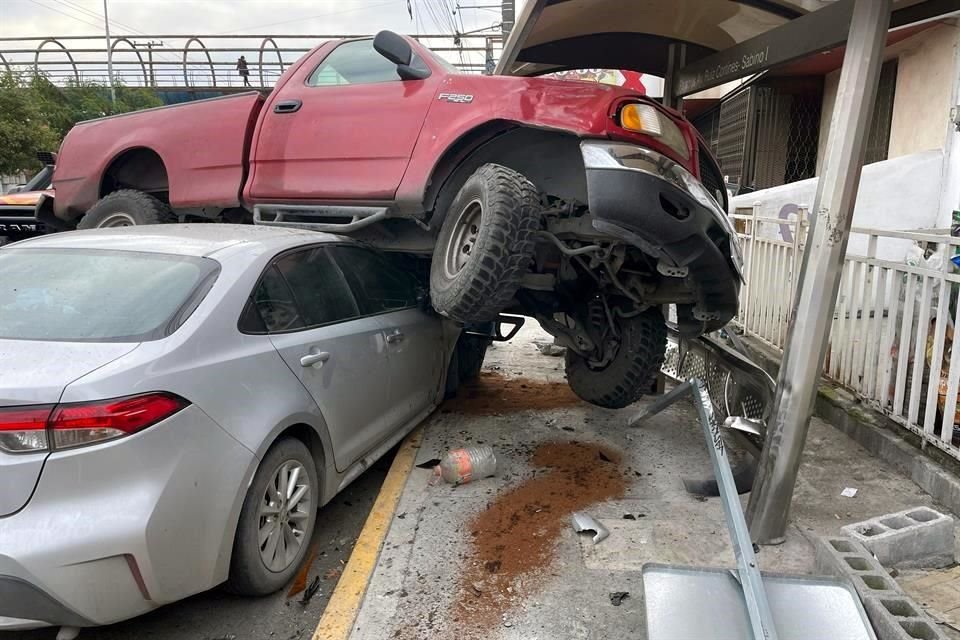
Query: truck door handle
<point>394,336</point>
<point>287,106</point>
<point>313,358</point>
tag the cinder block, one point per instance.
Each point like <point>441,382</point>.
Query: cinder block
<point>894,616</point>
<point>900,619</point>
<point>918,537</point>
<point>846,558</point>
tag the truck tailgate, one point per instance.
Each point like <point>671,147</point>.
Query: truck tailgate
<point>202,144</point>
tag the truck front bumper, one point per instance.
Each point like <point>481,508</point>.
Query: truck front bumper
<point>652,202</point>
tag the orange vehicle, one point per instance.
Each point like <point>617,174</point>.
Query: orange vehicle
<point>18,208</point>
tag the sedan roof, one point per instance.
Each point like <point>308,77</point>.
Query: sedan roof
<point>178,239</point>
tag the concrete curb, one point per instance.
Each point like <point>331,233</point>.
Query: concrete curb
<point>879,435</point>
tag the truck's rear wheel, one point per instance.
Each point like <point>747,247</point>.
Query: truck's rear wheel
<point>126,208</point>
<point>485,245</point>
<point>630,369</point>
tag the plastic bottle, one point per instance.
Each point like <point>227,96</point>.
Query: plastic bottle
<point>461,466</point>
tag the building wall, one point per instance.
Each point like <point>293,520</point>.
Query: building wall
<point>926,77</point>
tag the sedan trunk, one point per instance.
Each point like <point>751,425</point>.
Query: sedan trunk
<point>36,373</point>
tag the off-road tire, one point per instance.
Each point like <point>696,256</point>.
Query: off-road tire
<point>249,576</point>
<point>501,253</point>
<point>631,372</point>
<point>471,350</point>
<point>138,207</point>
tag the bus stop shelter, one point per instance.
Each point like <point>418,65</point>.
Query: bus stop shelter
<point>699,44</point>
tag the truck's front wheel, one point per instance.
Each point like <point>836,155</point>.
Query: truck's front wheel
<point>485,245</point>
<point>126,208</point>
<point>631,363</point>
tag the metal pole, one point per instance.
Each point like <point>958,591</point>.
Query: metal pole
<point>814,302</point>
<point>676,59</point>
<point>106,27</point>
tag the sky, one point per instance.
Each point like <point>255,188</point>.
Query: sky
<point>85,17</point>
<point>136,18</point>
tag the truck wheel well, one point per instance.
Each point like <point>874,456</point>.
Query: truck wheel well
<point>551,160</point>
<point>141,169</point>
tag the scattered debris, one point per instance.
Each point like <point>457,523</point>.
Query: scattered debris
<point>585,522</point>
<point>514,540</point>
<point>477,587</point>
<point>332,573</point>
<point>617,597</point>
<point>300,581</point>
<point>629,516</point>
<point>401,516</point>
<point>461,466</point>
<point>495,393</point>
<point>849,492</point>
<point>311,591</point>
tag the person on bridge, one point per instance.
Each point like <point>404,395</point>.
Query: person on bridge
<point>243,70</point>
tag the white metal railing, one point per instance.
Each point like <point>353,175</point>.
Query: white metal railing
<point>892,337</point>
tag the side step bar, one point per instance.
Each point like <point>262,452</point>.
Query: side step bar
<point>329,219</point>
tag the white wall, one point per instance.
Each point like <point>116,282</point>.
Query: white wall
<point>926,76</point>
<point>899,194</point>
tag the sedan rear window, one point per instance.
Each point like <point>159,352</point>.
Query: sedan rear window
<point>70,295</point>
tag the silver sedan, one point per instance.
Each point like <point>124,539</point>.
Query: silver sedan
<point>177,401</point>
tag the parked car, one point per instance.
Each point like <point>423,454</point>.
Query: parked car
<point>586,206</point>
<point>176,402</point>
<point>18,207</point>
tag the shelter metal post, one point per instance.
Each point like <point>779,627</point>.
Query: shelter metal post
<point>813,304</point>
<point>676,60</point>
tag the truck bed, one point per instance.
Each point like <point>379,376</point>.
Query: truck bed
<point>203,146</point>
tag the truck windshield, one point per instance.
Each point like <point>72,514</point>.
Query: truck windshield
<point>71,295</point>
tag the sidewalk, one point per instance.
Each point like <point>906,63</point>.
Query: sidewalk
<point>498,559</point>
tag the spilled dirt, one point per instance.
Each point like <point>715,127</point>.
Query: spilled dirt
<point>514,538</point>
<point>492,393</point>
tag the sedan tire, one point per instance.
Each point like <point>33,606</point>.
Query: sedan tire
<point>276,521</point>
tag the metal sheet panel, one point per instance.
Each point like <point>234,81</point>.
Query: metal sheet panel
<point>687,602</point>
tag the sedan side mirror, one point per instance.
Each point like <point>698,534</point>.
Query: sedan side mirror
<point>397,50</point>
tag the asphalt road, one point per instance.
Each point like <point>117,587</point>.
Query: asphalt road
<point>216,615</point>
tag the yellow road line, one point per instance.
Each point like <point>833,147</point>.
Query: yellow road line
<point>341,611</point>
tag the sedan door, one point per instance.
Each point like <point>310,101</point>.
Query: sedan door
<point>339,356</point>
<point>415,343</point>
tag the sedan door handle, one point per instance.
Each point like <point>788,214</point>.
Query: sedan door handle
<point>313,358</point>
<point>287,106</point>
<point>394,336</point>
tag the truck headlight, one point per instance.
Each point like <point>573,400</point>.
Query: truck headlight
<point>648,120</point>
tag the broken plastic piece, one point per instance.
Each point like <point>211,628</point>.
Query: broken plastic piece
<point>744,425</point>
<point>617,597</point>
<point>584,522</point>
<point>849,492</point>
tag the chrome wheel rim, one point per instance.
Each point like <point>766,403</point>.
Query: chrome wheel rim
<point>463,241</point>
<point>119,219</point>
<point>284,516</point>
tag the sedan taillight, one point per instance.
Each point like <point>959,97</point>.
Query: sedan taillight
<point>50,428</point>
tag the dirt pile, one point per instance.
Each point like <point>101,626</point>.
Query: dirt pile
<point>493,393</point>
<point>514,538</point>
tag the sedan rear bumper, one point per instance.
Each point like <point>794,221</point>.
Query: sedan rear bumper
<point>117,529</point>
<point>650,201</point>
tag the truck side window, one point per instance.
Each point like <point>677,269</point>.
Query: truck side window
<point>357,62</point>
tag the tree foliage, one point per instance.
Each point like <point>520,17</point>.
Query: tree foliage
<point>35,114</point>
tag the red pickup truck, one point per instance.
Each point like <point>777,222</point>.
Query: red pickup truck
<point>586,206</point>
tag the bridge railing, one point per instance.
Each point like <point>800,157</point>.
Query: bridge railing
<point>204,61</point>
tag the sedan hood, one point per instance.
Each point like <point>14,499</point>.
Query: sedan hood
<point>34,372</point>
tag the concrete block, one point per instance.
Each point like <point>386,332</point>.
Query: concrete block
<point>900,619</point>
<point>892,613</point>
<point>918,537</point>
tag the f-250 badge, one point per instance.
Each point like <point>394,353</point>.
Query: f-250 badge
<point>459,98</point>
